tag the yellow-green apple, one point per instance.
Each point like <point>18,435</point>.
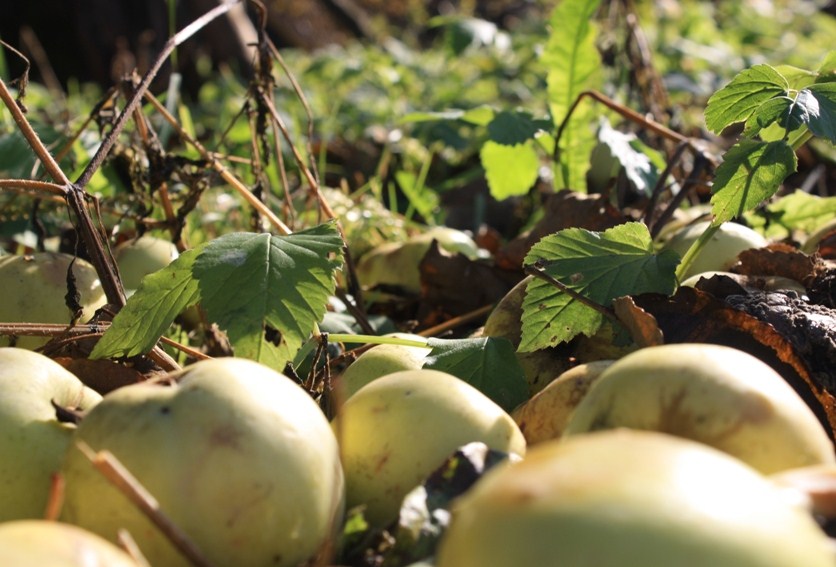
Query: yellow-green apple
<point>396,430</point>
<point>239,457</point>
<point>380,360</point>
<point>720,253</point>
<point>32,439</point>
<point>34,287</point>
<point>42,543</point>
<point>625,498</point>
<point>141,256</point>
<point>713,394</point>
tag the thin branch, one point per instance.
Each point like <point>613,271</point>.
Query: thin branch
<point>34,186</point>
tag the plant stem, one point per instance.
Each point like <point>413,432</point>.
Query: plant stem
<point>374,339</point>
<point>695,248</point>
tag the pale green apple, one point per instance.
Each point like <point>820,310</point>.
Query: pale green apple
<point>721,251</point>
<point>625,498</point>
<point>32,440</point>
<point>238,455</point>
<point>399,428</point>
<point>34,287</point>
<point>42,543</point>
<point>141,256</point>
<point>713,394</point>
<point>380,360</point>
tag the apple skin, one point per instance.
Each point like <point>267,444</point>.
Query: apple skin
<point>32,440</point>
<point>625,498</point>
<point>399,428</point>
<point>381,360</point>
<point>239,457</point>
<point>713,394</point>
<point>546,414</point>
<point>141,256</point>
<point>34,287</point>
<point>720,253</point>
<point>40,543</point>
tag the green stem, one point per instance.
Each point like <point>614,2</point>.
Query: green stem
<point>374,339</point>
<point>694,250</point>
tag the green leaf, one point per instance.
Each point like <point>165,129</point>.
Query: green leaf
<point>751,172</point>
<point>510,170</point>
<point>773,111</point>
<point>574,66</point>
<point>489,364</point>
<point>737,101</point>
<point>150,311</point>
<point>638,168</point>
<point>802,211</point>
<point>479,116</point>
<point>597,266</point>
<point>821,109</point>
<point>511,128</point>
<point>267,292</point>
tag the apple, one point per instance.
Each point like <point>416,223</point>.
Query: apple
<point>397,263</point>
<point>141,256</point>
<point>380,360</point>
<point>720,253</point>
<point>714,394</point>
<point>546,414</point>
<point>625,498</point>
<point>34,287</point>
<point>239,457</point>
<point>541,366</point>
<point>32,440</point>
<point>764,282</point>
<point>399,428</point>
<point>39,543</point>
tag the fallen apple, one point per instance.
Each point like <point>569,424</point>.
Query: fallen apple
<point>34,287</point>
<point>714,394</point>
<point>380,360</point>
<point>397,263</point>
<point>239,457</point>
<point>141,256</point>
<point>32,439</point>
<point>546,414</point>
<point>720,253</point>
<point>629,499</point>
<point>399,428</point>
<point>42,543</point>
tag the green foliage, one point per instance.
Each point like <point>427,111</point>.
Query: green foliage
<point>267,292</point>
<point>598,266</point>
<point>486,363</point>
<point>796,211</point>
<point>617,151</point>
<point>574,65</point>
<point>509,169</point>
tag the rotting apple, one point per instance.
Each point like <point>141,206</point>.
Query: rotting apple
<point>380,360</point>
<point>239,457</point>
<point>714,394</point>
<point>399,428</point>
<point>32,439</point>
<point>546,414</point>
<point>34,288</point>
<point>627,498</point>
<point>397,263</point>
<point>721,251</point>
<point>141,256</point>
<point>42,543</point>
<point>541,366</point>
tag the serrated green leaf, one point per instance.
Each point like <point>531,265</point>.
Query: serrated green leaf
<point>489,364</point>
<point>773,111</point>
<point>574,66</point>
<point>149,312</point>
<point>510,170</point>
<point>822,110</point>
<point>511,128</point>
<point>738,100</point>
<point>751,172</point>
<point>267,292</point>
<point>600,266</point>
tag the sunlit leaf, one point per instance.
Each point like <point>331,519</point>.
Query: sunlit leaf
<point>751,172</point>
<point>802,211</point>
<point>821,109</point>
<point>738,100</point>
<point>510,170</point>
<point>267,292</point>
<point>599,266</point>
<point>149,312</point>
